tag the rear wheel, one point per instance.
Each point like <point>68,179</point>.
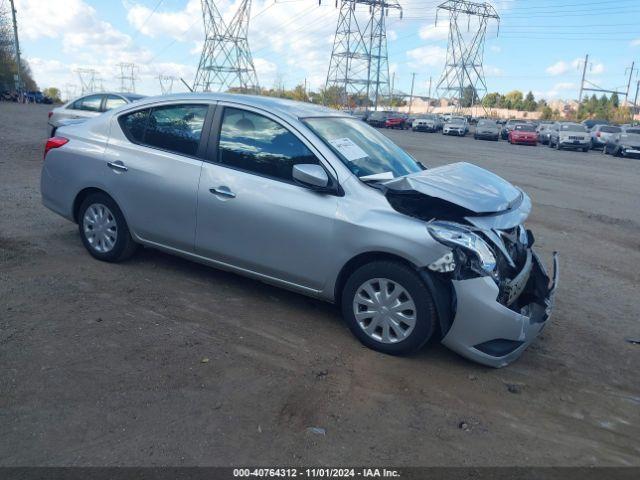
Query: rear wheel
<point>103,229</point>
<point>388,307</point>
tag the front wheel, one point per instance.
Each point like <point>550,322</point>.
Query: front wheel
<point>103,229</point>
<point>388,307</point>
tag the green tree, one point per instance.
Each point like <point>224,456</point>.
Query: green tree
<point>53,93</point>
<point>513,100</point>
<point>491,100</point>
<point>469,96</point>
<point>529,103</point>
<point>547,113</point>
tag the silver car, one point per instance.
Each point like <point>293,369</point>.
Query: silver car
<point>569,135</point>
<point>315,201</point>
<point>456,126</point>
<point>427,123</point>
<point>601,134</point>
<point>624,144</point>
<point>88,106</point>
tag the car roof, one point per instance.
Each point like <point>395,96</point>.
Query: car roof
<point>279,106</point>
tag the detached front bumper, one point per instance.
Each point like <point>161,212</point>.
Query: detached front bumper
<point>488,332</point>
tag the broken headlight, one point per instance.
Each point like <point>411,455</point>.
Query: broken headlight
<point>454,235</point>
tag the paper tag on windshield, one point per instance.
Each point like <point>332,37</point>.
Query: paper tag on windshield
<point>348,149</point>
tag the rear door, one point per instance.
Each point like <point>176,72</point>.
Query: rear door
<point>251,214</point>
<point>152,166</point>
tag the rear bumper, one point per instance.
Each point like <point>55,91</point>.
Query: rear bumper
<point>424,128</point>
<point>488,332</point>
<point>521,141</point>
<point>631,152</point>
<point>571,144</point>
<point>490,136</point>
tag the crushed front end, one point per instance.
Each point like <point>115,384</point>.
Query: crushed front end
<point>493,295</point>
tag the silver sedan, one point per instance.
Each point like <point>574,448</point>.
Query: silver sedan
<point>312,200</point>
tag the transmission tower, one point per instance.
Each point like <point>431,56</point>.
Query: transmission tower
<point>88,81</point>
<point>166,83</point>
<point>465,50</point>
<point>359,65</point>
<point>127,77</point>
<point>226,61</point>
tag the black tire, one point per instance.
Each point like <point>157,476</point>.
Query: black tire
<point>124,246</point>
<point>585,149</point>
<point>558,147</point>
<point>410,280</point>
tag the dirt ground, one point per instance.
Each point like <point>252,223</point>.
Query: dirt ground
<point>159,361</point>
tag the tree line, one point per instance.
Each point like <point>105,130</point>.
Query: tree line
<point>8,63</point>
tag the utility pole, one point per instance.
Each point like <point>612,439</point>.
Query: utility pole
<point>584,74</point>
<point>635,100</point>
<point>17,42</point>
<point>429,96</point>
<point>413,79</point>
<point>626,97</point>
<point>393,81</point>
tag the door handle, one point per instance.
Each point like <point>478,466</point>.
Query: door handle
<point>224,191</point>
<point>117,166</point>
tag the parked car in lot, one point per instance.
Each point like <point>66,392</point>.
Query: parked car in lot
<point>378,119</point>
<point>487,130</point>
<point>624,144</point>
<point>88,106</point>
<point>592,122</point>
<point>600,135</point>
<point>456,126</point>
<point>543,131</point>
<point>508,126</point>
<point>396,121</point>
<point>569,135</point>
<point>523,134</point>
<point>427,123</point>
<point>315,201</point>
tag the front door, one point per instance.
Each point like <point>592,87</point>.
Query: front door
<point>251,214</point>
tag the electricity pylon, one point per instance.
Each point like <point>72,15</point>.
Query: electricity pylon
<point>463,68</point>
<point>127,77</point>
<point>88,81</point>
<point>166,84</point>
<point>359,65</point>
<point>226,61</point>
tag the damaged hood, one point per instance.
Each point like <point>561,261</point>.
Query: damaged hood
<point>465,185</point>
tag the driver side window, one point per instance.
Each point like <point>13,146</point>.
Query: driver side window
<point>256,144</point>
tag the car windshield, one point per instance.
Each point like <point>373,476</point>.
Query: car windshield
<point>456,120</point>
<point>378,115</point>
<point>364,150</point>
<point>486,123</point>
<point>572,128</point>
<point>525,128</point>
<point>610,129</point>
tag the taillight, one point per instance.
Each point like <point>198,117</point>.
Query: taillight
<point>54,142</point>
<point>50,113</point>
<point>597,134</point>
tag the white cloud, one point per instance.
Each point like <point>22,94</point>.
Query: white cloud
<point>184,25</point>
<point>561,67</point>
<point>564,86</point>
<point>635,43</point>
<point>495,48</point>
<point>434,32</point>
<point>492,71</point>
<point>431,56</point>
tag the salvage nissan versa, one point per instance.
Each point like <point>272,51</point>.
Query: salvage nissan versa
<point>315,201</point>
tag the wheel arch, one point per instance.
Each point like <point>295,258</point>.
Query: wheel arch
<point>442,291</point>
<point>84,193</point>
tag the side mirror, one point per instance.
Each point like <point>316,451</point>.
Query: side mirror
<point>311,175</point>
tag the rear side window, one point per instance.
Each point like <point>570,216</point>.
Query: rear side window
<point>91,103</point>
<point>255,143</point>
<point>134,124</point>
<point>176,128</point>
<point>113,101</point>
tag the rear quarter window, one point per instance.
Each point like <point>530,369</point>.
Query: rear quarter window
<point>133,125</point>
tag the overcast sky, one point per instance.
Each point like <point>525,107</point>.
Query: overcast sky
<point>540,45</point>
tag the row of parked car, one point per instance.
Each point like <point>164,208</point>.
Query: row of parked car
<point>619,140</point>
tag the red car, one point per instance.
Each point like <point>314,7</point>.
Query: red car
<point>395,122</point>
<point>524,134</point>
